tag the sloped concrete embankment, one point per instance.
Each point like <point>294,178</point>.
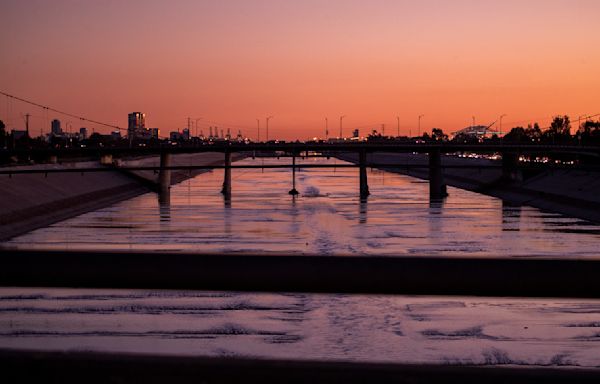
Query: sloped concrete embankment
<point>31,201</point>
<point>570,192</point>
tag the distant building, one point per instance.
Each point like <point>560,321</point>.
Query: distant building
<point>115,135</point>
<point>55,128</point>
<point>355,133</point>
<point>83,133</point>
<point>186,134</point>
<point>154,132</point>
<point>136,124</point>
<point>175,136</point>
<point>475,131</point>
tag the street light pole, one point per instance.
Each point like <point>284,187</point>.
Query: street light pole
<point>198,119</point>
<point>420,117</point>
<point>326,128</point>
<point>341,132</point>
<point>258,130</point>
<point>500,127</point>
<point>398,119</point>
<point>268,118</point>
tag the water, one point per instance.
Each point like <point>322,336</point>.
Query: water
<point>327,218</point>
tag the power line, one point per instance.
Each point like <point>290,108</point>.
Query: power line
<point>46,108</point>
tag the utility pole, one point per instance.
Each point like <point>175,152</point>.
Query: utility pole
<point>473,126</point>
<point>398,119</point>
<point>383,130</point>
<point>420,117</point>
<point>27,123</point>
<point>341,132</point>
<point>326,128</point>
<point>579,123</point>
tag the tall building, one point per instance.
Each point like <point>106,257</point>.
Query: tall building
<point>55,127</point>
<point>83,133</point>
<point>136,124</point>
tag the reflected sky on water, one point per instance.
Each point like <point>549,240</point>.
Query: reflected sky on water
<point>327,218</point>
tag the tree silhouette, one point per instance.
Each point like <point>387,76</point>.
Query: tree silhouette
<point>559,131</point>
<point>516,135</point>
<point>438,135</point>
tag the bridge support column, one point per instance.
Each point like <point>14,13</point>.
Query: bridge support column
<point>437,188</point>
<point>226,191</point>
<point>510,167</point>
<point>164,177</point>
<point>293,191</point>
<point>106,159</point>
<point>364,186</point>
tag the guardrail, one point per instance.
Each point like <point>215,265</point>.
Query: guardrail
<point>422,275</point>
<point>15,171</point>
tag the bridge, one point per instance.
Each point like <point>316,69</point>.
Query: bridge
<point>510,158</point>
<point>417,275</point>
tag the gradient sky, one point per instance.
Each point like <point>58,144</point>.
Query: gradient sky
<point>232,61</point>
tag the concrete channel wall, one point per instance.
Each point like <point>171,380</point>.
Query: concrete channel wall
<point>570,192</point>
<point>31,201</point>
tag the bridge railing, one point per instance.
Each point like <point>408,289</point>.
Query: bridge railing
<point>417,275</point>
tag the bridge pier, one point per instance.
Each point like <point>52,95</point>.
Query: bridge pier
<point>106,159</point>
<point>293,191</point>
<point>164,177</point>
<point>510,167</point>
<point>437,188</point>
<point>364,186</point>
<point>226,191</point>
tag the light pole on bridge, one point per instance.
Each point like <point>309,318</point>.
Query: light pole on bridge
<point>500,127</point>
<point>197,120</point>
<point>268,118</point>
<point>341,120</point>
<point>258,130</point>
<point>420,117</point>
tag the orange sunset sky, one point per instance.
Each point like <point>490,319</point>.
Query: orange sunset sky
<point>233,61</point>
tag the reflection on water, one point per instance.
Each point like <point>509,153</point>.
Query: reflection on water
<point>326,218</point>
<point>339,327</point>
